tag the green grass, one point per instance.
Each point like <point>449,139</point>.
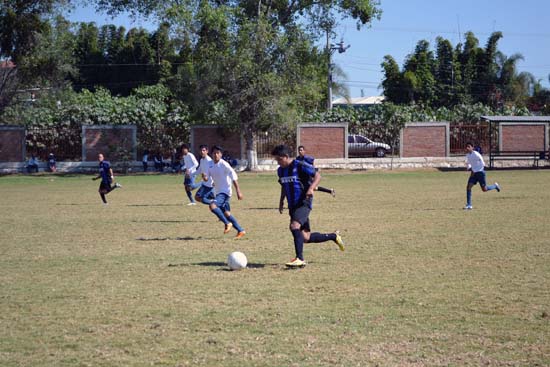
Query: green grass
<point>143,282</point>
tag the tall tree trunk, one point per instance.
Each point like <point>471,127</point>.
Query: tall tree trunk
<point>251,153</point>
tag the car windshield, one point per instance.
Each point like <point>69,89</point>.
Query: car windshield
<point>361,139</point>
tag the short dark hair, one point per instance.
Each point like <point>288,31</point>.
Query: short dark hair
<point>301,146</point>
<point>203,146</point>
<point>281,151</point>
<point>184,146</point>
<point>217,147</point>
<point>469,143</point>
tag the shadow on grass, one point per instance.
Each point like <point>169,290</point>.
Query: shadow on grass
<point>223,264</point>
<point>78,204</point>
<point>531,168</point>
<point>170,238</point>
<point>169,221</point>
<point>146,205</point>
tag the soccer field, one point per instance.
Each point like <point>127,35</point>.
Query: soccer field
<point>143,281</point>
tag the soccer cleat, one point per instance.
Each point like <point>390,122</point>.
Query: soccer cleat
<point>117,185</point>
<point>191,203</point>
<point>468,207</point>
<point>296,263</point>
<point>240,235</point>
<point>497,186</point>
<point>333,193</point>
<point>339,241</point>
<point>228,227</point>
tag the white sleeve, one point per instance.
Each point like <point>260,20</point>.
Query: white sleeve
<point>195,163</point>
<point>231,172</point>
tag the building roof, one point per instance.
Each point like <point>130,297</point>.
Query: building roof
<point>517,119</point>
<point>360,100</point>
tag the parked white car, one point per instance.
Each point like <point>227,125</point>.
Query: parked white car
<point>360,146</point>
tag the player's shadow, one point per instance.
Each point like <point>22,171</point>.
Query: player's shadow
<point>169,221</point>
<point>147,205</point>
<point>221,264</point>
<point>187,238</point>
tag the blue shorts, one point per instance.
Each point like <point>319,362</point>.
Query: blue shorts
<point>205,192</point>
<point>478,177</point>
<point>300,214</point>
<point>188,181</point>
<point>222,201</point>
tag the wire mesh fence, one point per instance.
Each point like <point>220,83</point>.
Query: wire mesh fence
<point>65,142</point>
<point>460,134</point>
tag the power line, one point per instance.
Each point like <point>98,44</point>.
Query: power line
<point>453,32</point>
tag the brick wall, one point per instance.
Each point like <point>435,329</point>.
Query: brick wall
<point>12,144</point>
<point>323,141</point>
<point>109,140</point>
<point>424,140</point>
<point>522,137</point>
<point>213,135</point>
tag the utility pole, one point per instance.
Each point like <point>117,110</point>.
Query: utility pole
<point>330,50</point>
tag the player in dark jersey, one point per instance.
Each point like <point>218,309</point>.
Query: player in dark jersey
<point>298,179</point>
<point>309,159</point>
<point>107,177</point>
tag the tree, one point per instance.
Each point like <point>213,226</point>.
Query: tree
<point>393,84</point>
<point>240,50</point>
<point>445,73</point>
<point>35,44</point>
<point>464,74</point>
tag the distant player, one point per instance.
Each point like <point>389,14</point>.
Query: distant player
<point>297,180</point>
<point>309,159</point>
<point>189,167</point>
<point>223,175</point>
<point>205,194</point>
<point>107,177</point>
<point>476,165</point>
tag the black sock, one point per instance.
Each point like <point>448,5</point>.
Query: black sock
<point>298,243</point>
<point>317,237</point>
<point>103,198</point>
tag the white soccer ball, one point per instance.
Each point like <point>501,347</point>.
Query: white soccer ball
<point>237,260</point>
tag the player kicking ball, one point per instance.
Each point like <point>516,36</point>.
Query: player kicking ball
<point>476,165</point>
<point>106,175</point>
<point>298,180</point>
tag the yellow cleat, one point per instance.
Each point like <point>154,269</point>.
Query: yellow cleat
<point>296,263</point>
<point>339,241</point>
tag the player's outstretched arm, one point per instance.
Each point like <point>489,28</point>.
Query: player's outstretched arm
<point>238,190</point>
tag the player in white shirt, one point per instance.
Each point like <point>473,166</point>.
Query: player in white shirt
<point>223,175</point>
<point>205,194</point>
<point>189,167</point>
<point>475,164</point>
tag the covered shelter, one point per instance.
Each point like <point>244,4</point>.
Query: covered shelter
<point>518,138</point>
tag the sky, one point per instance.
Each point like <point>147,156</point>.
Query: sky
<point>525,26</point>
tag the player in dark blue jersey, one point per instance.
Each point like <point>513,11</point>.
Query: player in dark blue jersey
<point>309,159</point>
<point>298,180</point>
<point>107,177</point>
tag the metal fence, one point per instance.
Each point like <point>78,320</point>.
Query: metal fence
<point>267,140</point>
<point>64,142</point>
<point>460,134</point>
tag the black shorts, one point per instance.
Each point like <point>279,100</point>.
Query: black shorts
<point>105,186</point>
<point>300,214</point>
